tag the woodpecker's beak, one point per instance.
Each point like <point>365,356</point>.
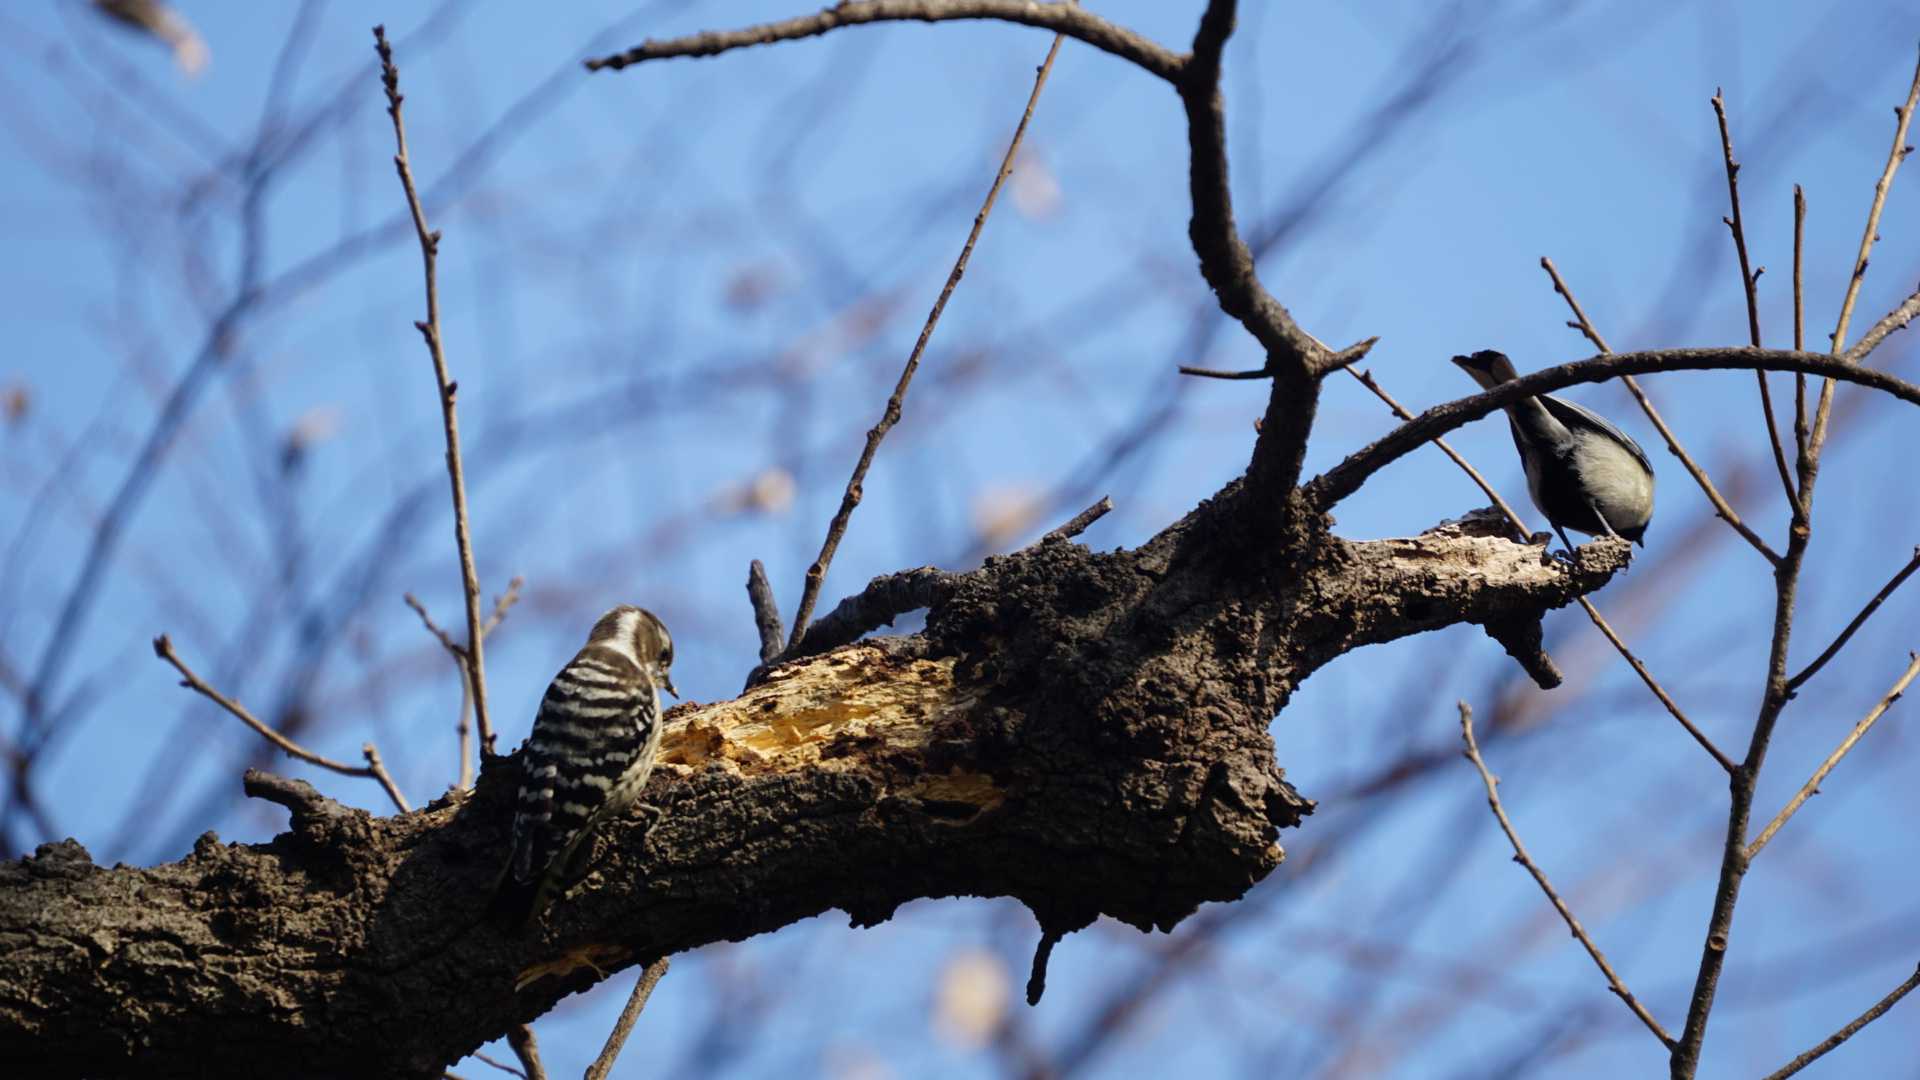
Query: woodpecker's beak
<point>666,680</point>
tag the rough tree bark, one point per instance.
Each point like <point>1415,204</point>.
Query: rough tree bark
<point>1085,732</point>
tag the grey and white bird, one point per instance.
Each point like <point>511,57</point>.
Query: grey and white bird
<point>1584,473</point>
<point>588,757</point>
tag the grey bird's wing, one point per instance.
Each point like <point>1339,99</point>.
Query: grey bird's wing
<point>1579,416</point>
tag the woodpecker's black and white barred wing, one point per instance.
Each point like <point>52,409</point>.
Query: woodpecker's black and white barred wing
<point>1579,416</point>
<point>591,742</point>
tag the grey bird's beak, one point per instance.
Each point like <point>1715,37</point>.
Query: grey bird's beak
<point>1488,368</point>
<point>666,680</point>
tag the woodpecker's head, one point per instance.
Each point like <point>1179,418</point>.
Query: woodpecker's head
<point>639,635</point>
<point>1488,368</point>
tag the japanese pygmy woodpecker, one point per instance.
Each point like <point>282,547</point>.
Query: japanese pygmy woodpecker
<point>591,750</point>
<point>1584,474</point>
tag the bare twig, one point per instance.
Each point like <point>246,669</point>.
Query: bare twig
<point>1079,522</point>
<point>817,573</point>
<point>527,1049</point>
<point>1062,18</point>
<point>1812,787</point>
<point>617,1038</point>
<point>1879,1009</point>
<point>1799,317</point>
<point>499,1065</point>
<point>1903,115</point>
<point>1211,373</point>
<point>378,770</point>
<point>476,668</point>
<point>1897,319</point>
<point>501,605</point>
<point>1520,856</point>
<point>163,648</point>
<point>302,800</point>
<point>1873,605</point>
<point>1646,676</point>
<point>766,613</point>
<point>446,640</point>
<point>1720,505</point>
<point>1749,281</point>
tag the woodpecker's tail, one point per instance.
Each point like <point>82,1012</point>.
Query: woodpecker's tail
<point>514,903</point>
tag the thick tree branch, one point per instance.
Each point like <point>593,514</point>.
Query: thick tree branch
<point>1058,695</point>
<point>1295,360</point>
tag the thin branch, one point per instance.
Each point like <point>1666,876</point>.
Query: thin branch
<point>378,770</point>
<point>1879,1009</point>
<point>1873,605</point>
<point>446,640</point>
<point>501,605</point>
<point>1812,787</point>
<point>1327,489</point>
<point>1520,856</point>
<point>1079,522</point>
<point>1211,373</point>
<point>766,612</point>
<point>817,573</point>
<point>1720,505</point>
<point>617,1038</point>
<point>1584,324</point>
<point>163,648</point>
<point>1367,380</point>
<point>1750,281</point>
<point>1062,18</point>
<point>1646,676</point>
<point>1897,319</point>
<point>476,668</point>
<point>1903,115</point>
<point>302,800</point>
<point>1799,318</point>
<point>527,1049</point>
<point>500,1065</point>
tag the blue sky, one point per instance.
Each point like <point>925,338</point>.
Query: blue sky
<point>664,283</point>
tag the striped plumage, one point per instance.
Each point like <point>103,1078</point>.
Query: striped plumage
<point>589,755</point>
